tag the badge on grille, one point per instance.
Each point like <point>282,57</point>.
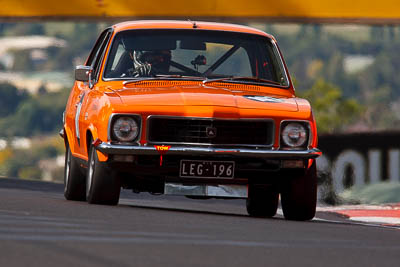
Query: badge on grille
<point>267,99</point>
<point>211,132</point>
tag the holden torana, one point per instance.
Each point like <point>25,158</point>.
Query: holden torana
<point>198,109</point>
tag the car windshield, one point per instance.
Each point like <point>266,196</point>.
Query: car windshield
<point>195,54</point>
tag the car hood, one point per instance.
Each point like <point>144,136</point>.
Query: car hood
<point>205,96</point>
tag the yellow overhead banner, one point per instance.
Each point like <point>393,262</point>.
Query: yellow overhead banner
<point>340,11</point>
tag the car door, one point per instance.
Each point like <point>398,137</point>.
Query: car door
<point>82,95</point>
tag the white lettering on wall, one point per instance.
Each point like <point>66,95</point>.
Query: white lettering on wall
<point>323,164</point>
<point>374,166</point>
<point>348,158</point>
<point>361,167</point>
<point>393,168</point>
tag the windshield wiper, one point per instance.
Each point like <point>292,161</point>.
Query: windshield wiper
<point>251,79</point>
<point>161,77</point>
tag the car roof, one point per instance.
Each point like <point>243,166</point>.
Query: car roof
<point>176,24</point>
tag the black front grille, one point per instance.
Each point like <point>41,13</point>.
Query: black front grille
<point>199,131</point>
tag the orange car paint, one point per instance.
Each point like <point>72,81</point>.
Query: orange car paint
<point>174,98</point>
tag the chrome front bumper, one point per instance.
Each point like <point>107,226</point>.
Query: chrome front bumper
<point>108,148</point>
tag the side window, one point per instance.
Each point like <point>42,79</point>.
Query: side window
<point>98,59</point>
<point>118,57</point>
<point>96,48</point>
<point>98,51</point>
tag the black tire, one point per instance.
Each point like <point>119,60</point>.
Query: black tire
<point>74,179</point>
<point>299,195</point>
<point>101,186</point>
<point>262,201</point>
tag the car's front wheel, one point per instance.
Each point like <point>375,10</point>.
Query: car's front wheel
<point>262,201</point>
<point>101,186</point>
<point>299,195</point>
<point>74,179</point>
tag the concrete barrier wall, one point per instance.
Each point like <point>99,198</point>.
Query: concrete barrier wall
<point>358,159</point>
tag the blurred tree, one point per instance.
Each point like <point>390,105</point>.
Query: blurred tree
<point>22,28</point>
<point>377,33</point>
<point>383,72</point>
<point>18,160</point>
<point>10,98</point>
<point>334,67</point>
<point>24,163</point>
<point>22,61</point>
<point>80,42</point>
<point>29,172</point>
<point>332,112</point>
<point>379,114</point>
<point>36,115</point>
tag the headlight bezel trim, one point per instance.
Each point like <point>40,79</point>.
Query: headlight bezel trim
<point>114,117</point>
<point>307,126</point>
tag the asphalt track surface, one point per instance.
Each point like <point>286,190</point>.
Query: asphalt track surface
<point>38,227</point>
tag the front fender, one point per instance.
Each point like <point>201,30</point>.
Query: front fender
<point>92,134</point>
<point>69,138</point>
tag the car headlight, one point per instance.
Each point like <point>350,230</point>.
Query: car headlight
<point>294,135</point>
<point>125,129</point>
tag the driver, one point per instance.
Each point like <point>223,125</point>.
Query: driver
<point>150,63</point>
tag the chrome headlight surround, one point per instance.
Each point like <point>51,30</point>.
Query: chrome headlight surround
<point>294,135</point>
<point>124,128</point>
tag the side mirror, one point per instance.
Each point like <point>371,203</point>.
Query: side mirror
<point>83,73</point>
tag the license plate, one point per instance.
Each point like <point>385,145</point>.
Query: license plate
<point>207,169</point>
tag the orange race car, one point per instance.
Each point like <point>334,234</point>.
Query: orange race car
<point>190,108</point>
